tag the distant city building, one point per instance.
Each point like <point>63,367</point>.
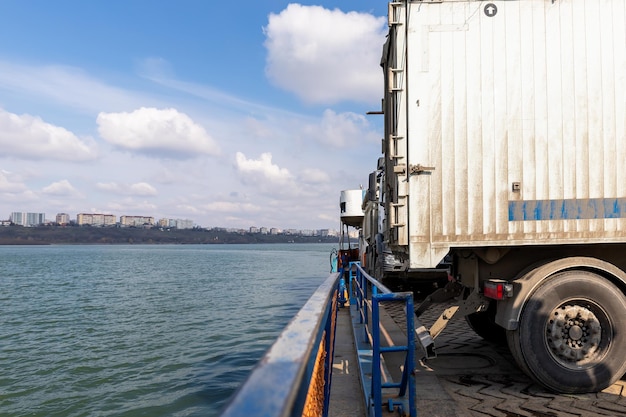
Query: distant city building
<point>98,219</point>
<point>184,224</point>
<point>28,219</point>
<point>231,230</point>
<point>95,219</point>
<point>177,223</point>
<point>63,219</point>
<point>136,221</point>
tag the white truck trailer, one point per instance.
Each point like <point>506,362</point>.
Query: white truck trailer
<point>505,153</point>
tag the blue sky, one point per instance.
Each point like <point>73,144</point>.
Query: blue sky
<point>231,116</point>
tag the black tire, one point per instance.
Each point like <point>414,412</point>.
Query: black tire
<point>571,336</point>
<point>484,325</point>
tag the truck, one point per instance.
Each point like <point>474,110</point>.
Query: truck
<point>504,165</point>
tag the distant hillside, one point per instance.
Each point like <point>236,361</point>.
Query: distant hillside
<point>46,235</point>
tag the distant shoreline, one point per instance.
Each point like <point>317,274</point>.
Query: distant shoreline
<point>57,235</point>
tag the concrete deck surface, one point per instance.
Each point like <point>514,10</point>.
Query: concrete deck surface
<point>346,397</point>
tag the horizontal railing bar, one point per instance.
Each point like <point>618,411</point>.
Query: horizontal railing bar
<point>372,366</point>
<point>374,281</point>
<point>393,349</point>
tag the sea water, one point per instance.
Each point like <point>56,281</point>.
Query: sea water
<point>143,330</point>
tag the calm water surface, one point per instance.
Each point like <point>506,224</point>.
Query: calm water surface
<point>152,330</point>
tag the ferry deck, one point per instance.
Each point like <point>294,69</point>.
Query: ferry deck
<point>324,364</point>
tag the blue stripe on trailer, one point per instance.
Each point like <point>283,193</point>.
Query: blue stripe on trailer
<point>567,209</point>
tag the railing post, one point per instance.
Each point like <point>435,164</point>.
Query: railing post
<point>410,365</point>
<point>376,393</point>
<point>330,333</point>
<point>371,365</point>
<point>363,284</point>
<point>341,296</point>
<point>351,290</point>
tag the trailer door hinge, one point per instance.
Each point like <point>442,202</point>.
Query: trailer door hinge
<point>420,169</point>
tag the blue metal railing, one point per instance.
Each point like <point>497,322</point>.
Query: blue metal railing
<point>369,343</point>
<point>294,376</point>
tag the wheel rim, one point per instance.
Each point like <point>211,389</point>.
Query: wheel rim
<point>574,333</point>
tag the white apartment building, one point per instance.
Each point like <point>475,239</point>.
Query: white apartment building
<point>62,218</point>
<point>177,223</point>
<point>184,224</point>
<point>136,221</point>
<point>95,219</point>
<point>27,219</point>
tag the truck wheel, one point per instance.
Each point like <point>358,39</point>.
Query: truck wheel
<point>571,335</point>
<point>484,325</point>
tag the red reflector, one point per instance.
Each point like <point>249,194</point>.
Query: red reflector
<point>497,290</point>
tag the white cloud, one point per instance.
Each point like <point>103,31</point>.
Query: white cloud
<point>157,132</point>
<point>188,209</point>
<point>232,207</point>
<point>314,176</point>
<point>9,184</point>
<point>160,72</point>
<point>341,130</point>
<point>139,189</point>
<point>154,68</point>
<point>61,188</point>
<point>261,170</point>
<point>129,206</point>
<point>143,189</point>
<point>258,128</point>
<point>325,56</point>
<point>20,200</point>
<point>29,137</point>
<point>67,85</point>
<point>111,187</point>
